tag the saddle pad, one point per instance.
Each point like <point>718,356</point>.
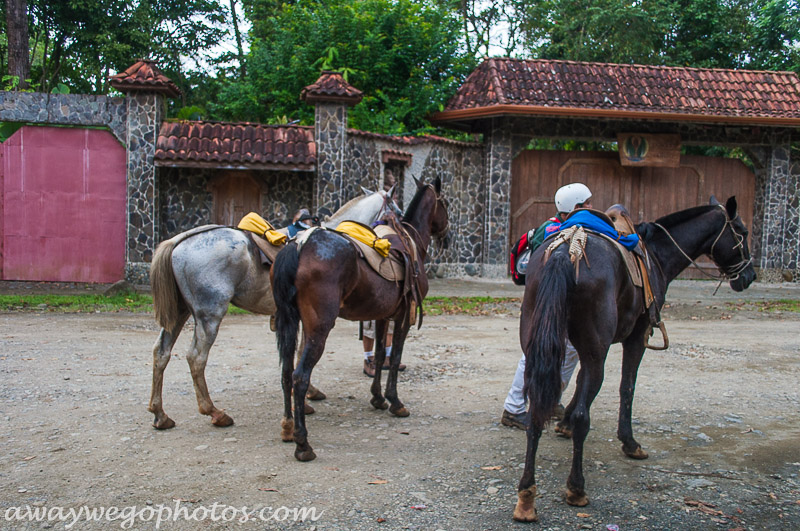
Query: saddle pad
<point>365,235</point>
<point>389,267</point>
<point>252,222</point>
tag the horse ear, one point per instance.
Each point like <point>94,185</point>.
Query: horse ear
<point>731,207</point>
<point>437,184</point>
<point>390,193</point>
<point>367,191</point>
<point>713,201</point>
<point>418,182</point>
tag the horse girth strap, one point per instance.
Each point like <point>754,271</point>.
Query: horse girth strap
<point>413,255</point>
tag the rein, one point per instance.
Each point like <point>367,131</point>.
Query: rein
<point>736,270</point>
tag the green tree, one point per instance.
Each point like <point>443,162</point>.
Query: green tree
<point>81,42</point>
<point>774,41</point>
<point>405,56</point>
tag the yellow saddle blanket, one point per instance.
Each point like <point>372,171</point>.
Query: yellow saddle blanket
<point>365,235</point>
<point>252,222</point>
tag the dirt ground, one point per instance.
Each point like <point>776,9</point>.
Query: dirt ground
<point>719,414</point>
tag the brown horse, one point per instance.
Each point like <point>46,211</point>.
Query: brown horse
<point>600,307</point>
<point>327,279</point>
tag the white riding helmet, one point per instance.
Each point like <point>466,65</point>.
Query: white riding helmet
<point>567,197</point>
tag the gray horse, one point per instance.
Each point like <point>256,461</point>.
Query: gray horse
<point>198,273</point>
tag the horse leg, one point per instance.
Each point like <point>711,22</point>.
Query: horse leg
<point>287,423</point>
<point>311,389</point>
<point>564,426</point>
<point>162,352</point>
<point>205,332</point>
<point>315,337</point>
<point>401,327</point>
<point>377,400</point>
<point>632,353</point>
<point>525,510</point>
<point>589,386</point>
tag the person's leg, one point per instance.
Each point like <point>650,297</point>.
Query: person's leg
<point>368,343</point>
<point>389,348</point>
<point>515,406</point>
<point>568,367</point>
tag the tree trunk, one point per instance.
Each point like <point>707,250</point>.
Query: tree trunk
<point>242,70</point>
<point>18,46</point>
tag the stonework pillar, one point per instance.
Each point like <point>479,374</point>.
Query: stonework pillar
<point>331,95</point>
<point>498,203</point>
<point>779,235</point>
<point>330,134</point>
<point>144,117</point>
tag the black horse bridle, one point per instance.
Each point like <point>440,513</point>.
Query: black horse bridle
<point>733,272</point>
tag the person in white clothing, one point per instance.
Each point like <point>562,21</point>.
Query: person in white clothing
<point>515,410</point>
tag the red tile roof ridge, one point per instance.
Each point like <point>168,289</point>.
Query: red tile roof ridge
<point>496,82</point>
<point>411,139</point>
<point>640,65</point>
<point>243,124</point>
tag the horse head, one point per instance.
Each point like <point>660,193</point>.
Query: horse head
<point>389,203</point>
<point>729,250</point>
<point>440,220</point>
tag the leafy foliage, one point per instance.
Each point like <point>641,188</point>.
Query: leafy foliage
<point>79,43</point>
<point>403,55</point>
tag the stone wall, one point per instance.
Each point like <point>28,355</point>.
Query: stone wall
<point>66,109</point>
<point>458,164</point>
<point>187,202</point>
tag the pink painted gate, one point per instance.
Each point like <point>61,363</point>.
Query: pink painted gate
<point>63,198</point>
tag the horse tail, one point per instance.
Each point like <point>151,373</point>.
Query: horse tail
<point>546,350</point>
<point>167,300</point>
<point>287,315</point>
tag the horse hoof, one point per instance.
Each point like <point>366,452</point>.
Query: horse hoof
<point>638,453</point>
<point>316,394</point>
<point>563,431</point>
<point>400,412</point>
<point>287,430</point>
<point>164,424</point>
<point>379,404</point>
<point>221,419</point>
<point>525,510</point>
<point>576,499</point>
<point>305,455</point>
<point>309,410</point>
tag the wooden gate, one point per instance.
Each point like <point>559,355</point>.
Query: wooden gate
<point>63,205</point>
<point>647,192</point>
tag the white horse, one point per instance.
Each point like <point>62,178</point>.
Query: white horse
<point>199,273</point>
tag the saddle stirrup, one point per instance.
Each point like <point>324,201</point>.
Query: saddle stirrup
<point>649,333</point>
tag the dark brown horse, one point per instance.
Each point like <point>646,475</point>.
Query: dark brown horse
<point>600,307</point>
<point>327,279</point>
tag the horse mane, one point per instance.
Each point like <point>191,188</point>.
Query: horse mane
<point>414,204</point>
<point>645,229</point>
<point>676,218</point>
<point>353,201</point>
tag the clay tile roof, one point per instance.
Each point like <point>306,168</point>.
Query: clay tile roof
<point>236,145</point>
<point>331,86</point>
<point>145,76</point>
<point>549,87</point>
